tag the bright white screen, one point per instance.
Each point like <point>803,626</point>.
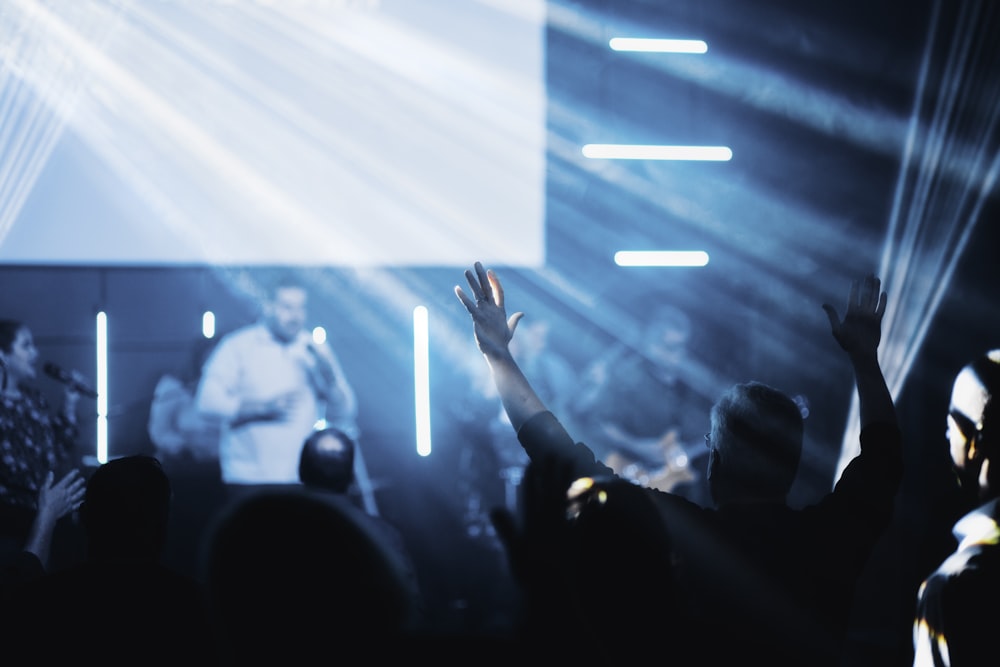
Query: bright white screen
<point>349,133</point>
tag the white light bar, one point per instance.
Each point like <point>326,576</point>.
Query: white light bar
<point>102,387</point>
<point>208,324</point>
<point>421,380</point>
<point>658,45</point>
<point>661,258</point>
<point>653,152</point>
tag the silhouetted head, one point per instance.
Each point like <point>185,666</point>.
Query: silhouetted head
<point>291,576</point>
<point>755,444</point>
<point>327,460</point>
<point>973,425</point>
<point>616,529</point>
<point>126,509</point>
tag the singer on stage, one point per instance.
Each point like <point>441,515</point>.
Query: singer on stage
<point>271,383</point>
<point>34,438</point>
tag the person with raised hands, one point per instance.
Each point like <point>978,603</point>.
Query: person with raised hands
<point>755,575</point>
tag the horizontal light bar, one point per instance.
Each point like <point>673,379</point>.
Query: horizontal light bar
<point>661,258</point>
<point>658,45</point>
<point>646,152</point>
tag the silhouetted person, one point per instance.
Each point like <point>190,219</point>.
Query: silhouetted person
<point>758,578</point>
<point>592,559</point>
<point>326,470</point>
<point>121,606</point>
<point>293,578</point>
<point>958,605</point>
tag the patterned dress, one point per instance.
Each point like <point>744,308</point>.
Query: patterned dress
<point>33,441</point>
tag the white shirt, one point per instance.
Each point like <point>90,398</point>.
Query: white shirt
<point>250,364</point>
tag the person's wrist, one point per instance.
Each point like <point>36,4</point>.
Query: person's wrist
<point>47,514</point>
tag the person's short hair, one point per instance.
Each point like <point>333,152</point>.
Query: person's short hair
<point>279,281</point>
<point>126,507</point>
<point>757,435</point>
<point>327,460</point>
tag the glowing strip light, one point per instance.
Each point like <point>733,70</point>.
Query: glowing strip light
<point>421,381</point>
<point>208,324</point>
<point>102,388</point>
<point>654,152</point>
<point>661,258</point>
<point>658,45</point>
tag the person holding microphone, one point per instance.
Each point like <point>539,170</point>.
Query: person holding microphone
<point>36,439</point>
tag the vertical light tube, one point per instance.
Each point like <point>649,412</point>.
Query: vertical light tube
<point>208,324</point>
<point>102,388</point>
<point>421,381</point>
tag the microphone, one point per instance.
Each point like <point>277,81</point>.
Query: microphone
<point>64,376</point>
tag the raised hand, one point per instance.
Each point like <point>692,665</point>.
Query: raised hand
<point>861,329</point>
<point>493,329</point>
<point>62,497</point>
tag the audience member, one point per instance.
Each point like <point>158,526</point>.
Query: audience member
<point>120,606</point>
<point>643,415</point>
<point>55,500</point>
<point>292,576</point>
<point>757,577</point>
<point>270,383</point>
<point>566,534</point>
<point>326,469</point>
<point>556,382</point>
<point>34,439</point>
<point>958,605</point>
<point>486,472</point>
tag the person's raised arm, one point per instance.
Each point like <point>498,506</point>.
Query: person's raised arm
<point>859,334</point>
<point>494,330</point>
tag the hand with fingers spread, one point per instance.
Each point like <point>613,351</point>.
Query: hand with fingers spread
<point>62,497</point>
<point>860,330</point>
<point>859,334</point>
<point>493,331</point>
<point>55,500</point>
<point>493,328</point>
